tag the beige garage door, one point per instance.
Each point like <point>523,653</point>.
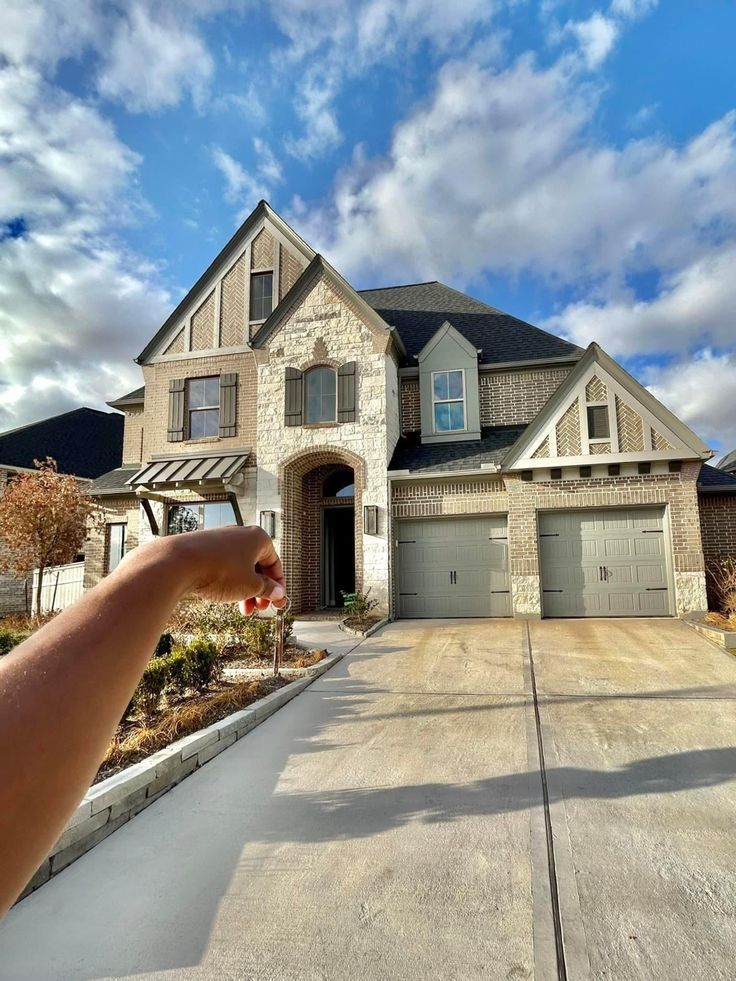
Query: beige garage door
<point>604,563</point>
<point>453,567</point>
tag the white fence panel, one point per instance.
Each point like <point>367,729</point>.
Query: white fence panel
<point>62,585</point>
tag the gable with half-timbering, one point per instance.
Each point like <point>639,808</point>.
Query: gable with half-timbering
<point>601,414</point>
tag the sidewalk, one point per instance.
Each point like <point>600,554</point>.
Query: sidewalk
<point>324,634</point>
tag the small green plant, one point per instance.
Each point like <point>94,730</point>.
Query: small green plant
<point>258,636</point>
<point>10,639</point>
<point>203,663</point>
<point>178,667</point>
<point>151,686</point>
<point>359,605</point>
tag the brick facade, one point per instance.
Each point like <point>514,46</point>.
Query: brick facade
<point>117,509</point>
<point>522,500</point>
<point>507,398</point>
<point>717,531</point>
<point>133,435</point>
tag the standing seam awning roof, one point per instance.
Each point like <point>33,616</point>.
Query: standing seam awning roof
<point>189,469</point>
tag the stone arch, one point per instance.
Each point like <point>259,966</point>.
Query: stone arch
<point>301,477</point>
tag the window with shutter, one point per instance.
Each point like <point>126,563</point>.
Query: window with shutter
<point>347,375</point>
<point>228,404</point>
<point>175,431</point>
<point>293,382</point>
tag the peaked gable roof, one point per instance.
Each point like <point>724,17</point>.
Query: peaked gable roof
<point>261,211</point>
<point>714,480</point>
<point>136,397</point>
<point>420,309</point>
<point>316,269</point>
<point>446,330</point>
<point>566,395</point>
<point>84,442</point>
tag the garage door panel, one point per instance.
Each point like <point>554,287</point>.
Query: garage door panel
<point>610,562</point>
<point>453,567</point>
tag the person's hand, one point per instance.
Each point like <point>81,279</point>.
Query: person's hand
<point>227,564</point>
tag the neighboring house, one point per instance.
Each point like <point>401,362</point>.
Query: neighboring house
<point>411,440</point>
<point>84,442</point>
<point>717,504</point>
<point>728,463</point>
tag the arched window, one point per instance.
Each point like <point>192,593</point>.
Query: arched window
<point>339,484</point>
<point>321,395</point>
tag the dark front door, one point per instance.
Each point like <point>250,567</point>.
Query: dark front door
<point>338,554</point>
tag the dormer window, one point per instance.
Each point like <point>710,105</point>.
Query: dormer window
<point>448,401</point>
<point>261,295</point>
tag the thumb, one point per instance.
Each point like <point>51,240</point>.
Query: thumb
<point>260,591</point>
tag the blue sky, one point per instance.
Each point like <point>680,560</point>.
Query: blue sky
<point>572,163</point>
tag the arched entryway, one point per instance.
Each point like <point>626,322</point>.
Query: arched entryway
<point>321,517</point>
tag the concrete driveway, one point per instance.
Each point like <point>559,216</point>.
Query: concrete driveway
<point>390,823</point>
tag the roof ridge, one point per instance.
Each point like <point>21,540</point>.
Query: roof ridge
<point>400,286</point>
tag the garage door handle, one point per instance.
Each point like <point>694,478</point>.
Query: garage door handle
<point>656,589</point>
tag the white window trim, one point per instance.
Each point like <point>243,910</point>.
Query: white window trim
<point>305,396</point>
<point>442,432</point>
<point>201,408</point>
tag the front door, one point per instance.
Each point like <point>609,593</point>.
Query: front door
<point>338,554</point>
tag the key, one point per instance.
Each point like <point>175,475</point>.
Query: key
<point>278,642</point>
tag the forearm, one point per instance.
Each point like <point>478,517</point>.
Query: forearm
<point>62,694</point>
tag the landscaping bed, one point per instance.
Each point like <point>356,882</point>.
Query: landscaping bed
<point>294,657</point>
<point>362,625</point>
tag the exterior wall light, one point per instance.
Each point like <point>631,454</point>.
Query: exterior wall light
<point>268,522</point>
<point>370,519</point>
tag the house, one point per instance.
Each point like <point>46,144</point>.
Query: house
<point>84,442</point>
<point>728,463</point>
<point>410,440</point>
<point>717,508</point>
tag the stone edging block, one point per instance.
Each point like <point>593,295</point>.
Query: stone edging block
<point>114,801</point>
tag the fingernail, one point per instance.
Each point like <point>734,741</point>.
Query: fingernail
<point>277,593</point>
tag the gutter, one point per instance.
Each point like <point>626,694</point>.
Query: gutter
<point>490,470</point>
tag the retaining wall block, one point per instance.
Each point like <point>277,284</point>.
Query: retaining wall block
<point>72,835</point>
<point>116,788</point>
<point>210,751</point>
<point>73,852</point>
<point>191,745</point>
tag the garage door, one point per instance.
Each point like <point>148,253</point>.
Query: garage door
<point>604,563</point>
<point>453,567</point>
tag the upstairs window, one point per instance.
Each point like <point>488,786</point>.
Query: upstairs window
<point>598,427</point>
<point>321,395</point>
<point>448,401</point>
<point>261,295</point>
<point>203,407</point>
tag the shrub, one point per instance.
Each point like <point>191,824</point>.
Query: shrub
<point>178,668</point>
<point>10,639</point>
<point>204,618</point>
<point>722,575</point>
<point>164,645</point>
<point>359,604</point>
<point>151,686</point>
<point>258,636</point>
<point>203,662</point>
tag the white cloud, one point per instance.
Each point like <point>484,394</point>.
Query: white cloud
<point>700,391</point>
<point>247,187</point>
<point>75,305</point>
<point>596,37</point>
<point>497,174</point>
<point>632,8</point>
<point>151,61</point>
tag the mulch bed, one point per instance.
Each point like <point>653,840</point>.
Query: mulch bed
<point>294,657</point>
<point>362,623</point>
<point>718,620</point>
<point>137,739</point>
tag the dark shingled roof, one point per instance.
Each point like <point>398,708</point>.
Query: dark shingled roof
<point>84,442</point>
<point>114,482</point>
<point>417,311</point>
<point>411,454</point>
<point>132,398</point>
<point>713,480</point>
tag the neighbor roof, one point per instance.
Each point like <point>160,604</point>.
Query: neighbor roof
<point>728,462</point>
<point>115,481</point>
<point>714,480</point>
<point>84,442</point>
<point>418,310</point>
<point>495,441</point>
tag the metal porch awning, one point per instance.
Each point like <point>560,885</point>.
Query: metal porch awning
<point>195,471</point>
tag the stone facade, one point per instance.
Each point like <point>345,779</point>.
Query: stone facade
<point>324,319</point>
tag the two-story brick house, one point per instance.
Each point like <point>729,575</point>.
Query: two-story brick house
<point>411,440</point>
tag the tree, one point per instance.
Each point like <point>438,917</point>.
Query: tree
<point>44,520</point>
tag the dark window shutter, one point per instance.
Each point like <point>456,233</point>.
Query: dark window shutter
<point>176,410</point>
<point>228,404</point>
<point>293,403</point>
<point>346,376</point>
